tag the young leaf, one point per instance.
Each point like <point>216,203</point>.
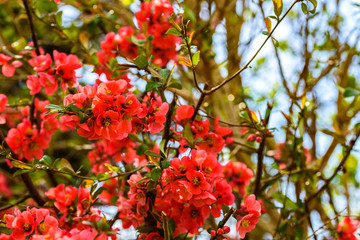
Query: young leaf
<point>314,3</point>
<point>175,85</point>
<point>141,62</point>
<point>174,31</point>
<point>188,134</point>
<point>152,154</point>
<point>196,58</point>
<point>268,24</point>
<point>278,7</point>
<point>304,8</point>
<point>54,107</point>
<point>152,85</point>
<point>46,160</point>
<point>350,92</point>
<point>20,164</point>
<point>184,61</point>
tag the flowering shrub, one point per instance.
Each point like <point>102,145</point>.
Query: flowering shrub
<point>132,149</point>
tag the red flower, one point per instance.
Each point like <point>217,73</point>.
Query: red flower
<point>8,67</point>
<point>23,224</point>
<point>48,82</point>
<point>33,83</point>
<point>193,217</point>
<point>41,63</point>
<point>184,113</point>
<point>251,208</point>
<point>3,102</point>
<point>246,224</point>
<point>347,228</point>
<point>197,182</point>
<point>107,124</point>
<point>183,165</point>
<point>63,197</point>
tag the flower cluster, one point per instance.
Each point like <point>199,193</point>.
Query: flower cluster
<point>134,209</point>
<point>152,20</point>
<point>153,17</point>
<point>238,175</point>
<point>248,215</point>
<point>110,111</point>
<point>47,77</point>
<point>197,132</point>
<point>29,140</point>
<point>38,224</point>
<point>192,188</point>
<point>65,199</point>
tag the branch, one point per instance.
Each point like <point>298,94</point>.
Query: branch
<point>341,164</point>
<point>166,135</point>
<point>253,57</point>
<point>26,196</point>
<point>260,156</point>
<point>33,35</point>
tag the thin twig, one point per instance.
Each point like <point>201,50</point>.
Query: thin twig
<point>253,57</point>
<point>225,219</point>
<point>26,196</point>
<point>341,164</point>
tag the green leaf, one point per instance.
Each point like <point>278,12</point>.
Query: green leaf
<point>59,18</point>
<point>114,199</point>
<point>72,108</point>
<point>152,85</point>
<point>174,31</point>
<point>46,160</point>
<point>176,85</point>
<point>162,146</point>
<point>20,164</point>
<point>276,42</point>
<point>84,39</point>
<point>165,164</point>
<point>136,41</point>
<point>141,62</point>
<point>188,134</point>
<point>141,149</point>
<point>333,134</point>
<point>155,74</point>
<point>62,164</point>
<point>152,154</point>
<point>83,117</point>
<point>21,171</point>
<point>54,107</point>
<point>98,191</point>
<point>288,202</point>
<point>304,8</point>
<point>172,226</point>
<point>156,174</point>
<point>164,72</point>
<point>196,58</point>
<point>134,137</point>
<point>314,3</point>
<point>350,92</point>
